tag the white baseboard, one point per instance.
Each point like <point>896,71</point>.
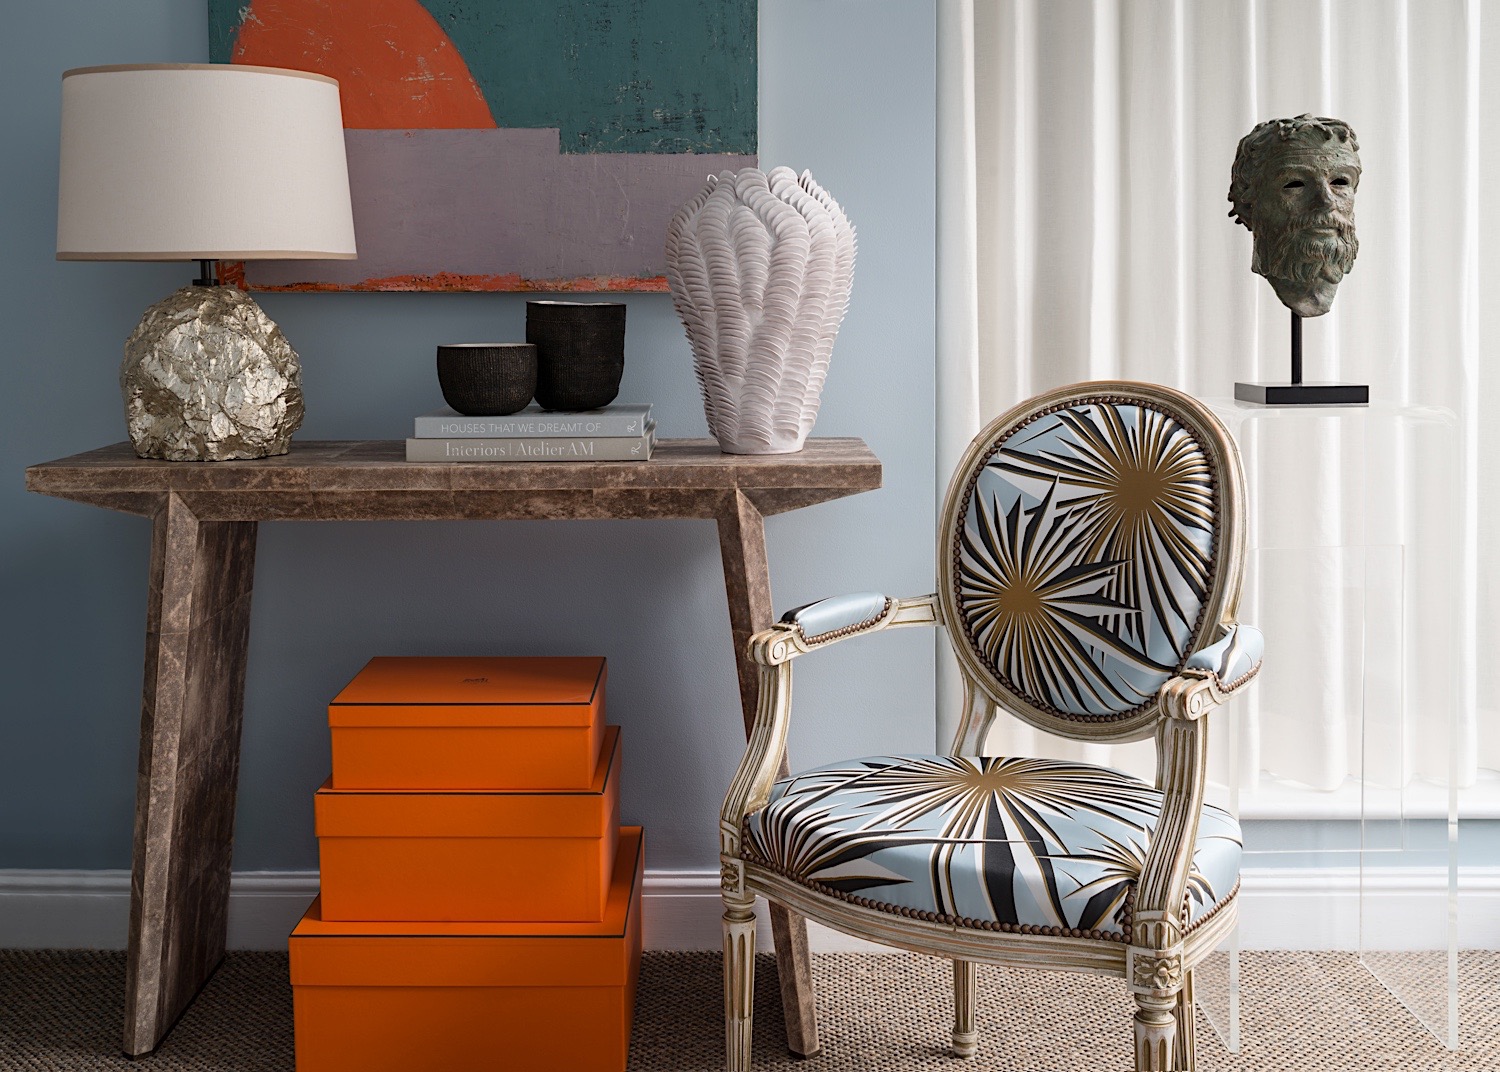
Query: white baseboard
<point>91,909</point>
<point>1280,908</point>
<point>1404,908</point>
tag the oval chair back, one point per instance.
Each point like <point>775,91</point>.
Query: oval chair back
<point>1091,539</point>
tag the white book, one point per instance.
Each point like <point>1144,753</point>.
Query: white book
<point>549,449</point>
<point>622,419</point>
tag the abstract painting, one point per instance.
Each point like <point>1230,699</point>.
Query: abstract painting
<point>512,146</point>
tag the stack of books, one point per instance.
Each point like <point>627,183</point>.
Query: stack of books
<point>623,432</point>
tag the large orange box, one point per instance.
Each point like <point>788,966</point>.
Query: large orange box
<point>529,855</point>
<point>393,997</point>
<point>469,723</point>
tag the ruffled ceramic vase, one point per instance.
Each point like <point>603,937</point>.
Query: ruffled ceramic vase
<point>760,266</point>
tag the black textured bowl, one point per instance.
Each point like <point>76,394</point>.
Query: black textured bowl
<point>487,379</point>
<point>580,352</point>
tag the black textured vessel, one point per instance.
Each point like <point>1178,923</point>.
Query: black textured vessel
<point>580,352</point>
<point>487,379</point>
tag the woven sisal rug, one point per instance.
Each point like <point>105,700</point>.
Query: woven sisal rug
<point>1308,1012</point>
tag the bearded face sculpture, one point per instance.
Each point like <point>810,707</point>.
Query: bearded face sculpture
<point>1293,186</point>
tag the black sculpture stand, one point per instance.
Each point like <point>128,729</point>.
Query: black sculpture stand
<point>1298,393</point>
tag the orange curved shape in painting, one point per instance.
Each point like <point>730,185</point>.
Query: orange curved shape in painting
<point>395,66</point>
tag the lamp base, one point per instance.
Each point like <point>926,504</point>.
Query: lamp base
<point>1303,394</point>
<point>208,377</point>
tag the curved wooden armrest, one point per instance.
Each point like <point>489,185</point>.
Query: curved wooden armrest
<point>774,649</point>
<point>1214,673</point>
<point>817,625</point>
<point>1234,658</point>
<point>1207,680</point>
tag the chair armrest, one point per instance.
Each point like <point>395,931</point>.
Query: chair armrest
<point>774,649</point>
<point>1214,673</point>
<point>817,625</point>
<point>837,614</point>
<point>1233,659</point>
<point>1158,923</point>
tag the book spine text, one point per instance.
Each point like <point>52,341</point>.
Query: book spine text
<point>488,450</point>
<point>609,425</point>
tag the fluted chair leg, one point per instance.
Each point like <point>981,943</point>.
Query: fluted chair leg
<point>1155,1033</point>
<point>1185,1056</point>
<point>739,985</point>
<point>965,1035</point>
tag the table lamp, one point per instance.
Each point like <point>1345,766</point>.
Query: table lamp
<point>202,162</point>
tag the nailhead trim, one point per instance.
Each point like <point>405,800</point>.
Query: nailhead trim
<point>1214,911</point>
<point>1246,676</point>
<point>1127,911</point>
<point>939,917</point>
<point>957,546</point>
<point>848,630</point>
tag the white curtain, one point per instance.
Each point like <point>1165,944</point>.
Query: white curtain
<point>1083,165</point>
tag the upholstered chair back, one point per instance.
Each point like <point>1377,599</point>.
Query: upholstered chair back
<point>1091,540</point>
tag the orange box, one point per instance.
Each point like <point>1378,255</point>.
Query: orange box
<point>469,723</point>
<point>529,855</point>
<point>392,997</point>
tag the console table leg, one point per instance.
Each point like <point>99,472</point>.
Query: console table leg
<point>747,581</point>
<point>198,625</point>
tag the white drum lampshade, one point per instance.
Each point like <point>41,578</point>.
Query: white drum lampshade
<point>204,162</point>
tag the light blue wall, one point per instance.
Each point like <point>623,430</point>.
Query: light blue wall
<point>847,91</point>
<point>328,596</point>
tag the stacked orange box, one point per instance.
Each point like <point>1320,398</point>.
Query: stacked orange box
<point>480,903</point>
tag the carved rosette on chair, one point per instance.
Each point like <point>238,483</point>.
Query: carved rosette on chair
<point>1091,551</point>
<point>760,266</point>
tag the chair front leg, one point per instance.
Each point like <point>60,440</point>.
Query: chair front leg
<point>1155,1034</point>
<point>1157,981</point>
<point>1165,1034</point>
<point>965,983</point>
<point>739,982</point>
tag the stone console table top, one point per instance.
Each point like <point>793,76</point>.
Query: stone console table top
<point>204,519</point>
<point>370,480</point>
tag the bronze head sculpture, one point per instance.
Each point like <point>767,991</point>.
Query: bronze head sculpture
<point>1293,187</point>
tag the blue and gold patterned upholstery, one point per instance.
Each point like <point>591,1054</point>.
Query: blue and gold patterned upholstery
<point>993,843</point>
<point>1084,556</point>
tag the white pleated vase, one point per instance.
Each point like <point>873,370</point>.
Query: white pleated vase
<point>760,266</point>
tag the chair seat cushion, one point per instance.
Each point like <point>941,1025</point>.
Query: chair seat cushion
<point>1031,845</point>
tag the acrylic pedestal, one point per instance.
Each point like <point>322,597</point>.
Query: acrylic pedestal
<point>1362,611</point>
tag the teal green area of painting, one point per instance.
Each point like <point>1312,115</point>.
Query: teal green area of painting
<point>224,19</point>
<point>615,76</point>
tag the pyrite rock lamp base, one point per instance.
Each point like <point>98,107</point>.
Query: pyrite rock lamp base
<point>208,377</point>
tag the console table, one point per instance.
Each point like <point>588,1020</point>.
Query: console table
<point>204,518</point>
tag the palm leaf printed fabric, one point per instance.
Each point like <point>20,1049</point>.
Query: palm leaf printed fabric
<point>975,840</point>
<point>1086,556</point>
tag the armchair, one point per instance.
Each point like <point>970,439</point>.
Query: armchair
<point>1090,558</point>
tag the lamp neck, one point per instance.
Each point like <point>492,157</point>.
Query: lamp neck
<point>208,274</point>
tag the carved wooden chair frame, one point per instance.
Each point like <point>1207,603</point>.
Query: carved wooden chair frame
<point>1158,958</point>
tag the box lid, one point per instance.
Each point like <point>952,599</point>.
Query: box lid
<point>477,954</point>
<point>474,812</point>
<point>472,691</point>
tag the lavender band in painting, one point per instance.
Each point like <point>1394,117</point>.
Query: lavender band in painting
<point>500,210</point>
